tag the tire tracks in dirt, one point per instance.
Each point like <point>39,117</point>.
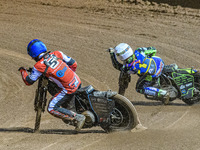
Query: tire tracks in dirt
<point>175,126</point>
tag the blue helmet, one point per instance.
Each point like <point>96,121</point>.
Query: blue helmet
<point>36,47</point>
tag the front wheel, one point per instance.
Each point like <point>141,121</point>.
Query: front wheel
<point>38,119</point>
<point>123,116</point>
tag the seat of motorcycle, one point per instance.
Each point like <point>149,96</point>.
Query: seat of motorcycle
<point>170,68</point>
<point>87,89</point>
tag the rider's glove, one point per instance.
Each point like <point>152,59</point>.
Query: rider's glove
<point>21,69</point>
<point>30,69</point>
<point>110,50</point>
<point>124,69</point>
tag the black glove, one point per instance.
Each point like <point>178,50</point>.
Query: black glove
<point>110,50</point>
<point>124,69</point>
<point>30,69</point>
<point>21,68</point>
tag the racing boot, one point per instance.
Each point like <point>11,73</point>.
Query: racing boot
<point>80,121</point>
<point>156,93</point>
<point>164,95</point>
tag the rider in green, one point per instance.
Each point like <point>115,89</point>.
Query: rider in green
<point>145,64</point>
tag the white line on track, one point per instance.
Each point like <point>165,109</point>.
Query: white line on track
<point>49,146</point>
<point>88,145</point>
<point>177,120</point>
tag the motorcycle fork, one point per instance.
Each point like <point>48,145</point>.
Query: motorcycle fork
<point>41,93</point>
<point>124,79</point>
<point>40,101</point>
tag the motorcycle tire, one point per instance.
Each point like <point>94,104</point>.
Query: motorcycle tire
<point>38,119</point>
<point>38,108</point>
<point>125,115</point>
<point>196,97</point>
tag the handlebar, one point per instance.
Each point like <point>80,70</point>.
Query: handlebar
<point>30,69</point>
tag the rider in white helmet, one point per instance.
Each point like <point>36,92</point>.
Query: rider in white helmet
<point>123,51</point>
<point>142,62</point>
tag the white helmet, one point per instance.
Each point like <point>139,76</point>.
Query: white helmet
<point>123,51</point>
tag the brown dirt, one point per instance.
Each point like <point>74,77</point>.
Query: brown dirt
<point>84,30</point>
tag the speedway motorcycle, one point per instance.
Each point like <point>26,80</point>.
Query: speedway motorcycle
<point>181,83</point>
<point>107,109</point>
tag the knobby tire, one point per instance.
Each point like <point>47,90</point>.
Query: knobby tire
<point>38,119</point>
<point>126,105</point>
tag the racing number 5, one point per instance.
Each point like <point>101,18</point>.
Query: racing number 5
<point>51,61</point>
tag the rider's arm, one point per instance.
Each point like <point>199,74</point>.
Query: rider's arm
<point>69,61</point>
<point>132,67</point>
<point>115,62</point>
<point>29,79</point>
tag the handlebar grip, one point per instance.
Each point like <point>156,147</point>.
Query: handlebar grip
<point>30,69</point>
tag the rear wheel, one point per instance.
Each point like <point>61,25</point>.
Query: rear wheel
<point>196,95</point>
<point>123,116</point>
<point>196,92</point>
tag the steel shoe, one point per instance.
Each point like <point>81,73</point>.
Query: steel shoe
<point>166,99</point>
<point>80,121</point>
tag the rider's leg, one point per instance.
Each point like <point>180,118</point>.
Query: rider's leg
<point>150,86</point>
<point>141,83</point>
<point>159,93</point>
<point>54,108</point>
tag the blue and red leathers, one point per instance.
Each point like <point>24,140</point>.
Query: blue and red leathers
<point>60,69</point>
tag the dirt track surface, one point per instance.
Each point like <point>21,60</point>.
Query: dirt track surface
<point>84,30</point>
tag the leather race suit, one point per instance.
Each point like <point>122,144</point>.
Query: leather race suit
<point>60,69</point>
<point>147,66</point>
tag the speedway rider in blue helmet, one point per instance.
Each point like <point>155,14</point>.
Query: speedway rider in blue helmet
<point>35,48</point>
<point>145,64</point>
<point>60,70</point>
